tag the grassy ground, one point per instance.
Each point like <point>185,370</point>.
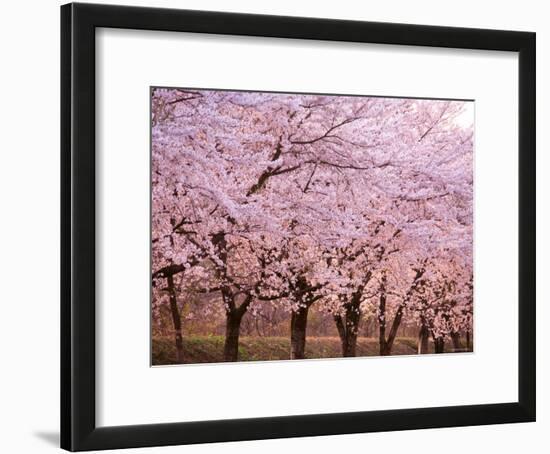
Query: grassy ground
<point>209,349</point>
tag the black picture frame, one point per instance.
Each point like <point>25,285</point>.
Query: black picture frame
<point>78,173</point>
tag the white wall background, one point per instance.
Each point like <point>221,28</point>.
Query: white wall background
<point>29,251</point>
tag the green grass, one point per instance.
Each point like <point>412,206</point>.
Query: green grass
<point>209,349</point>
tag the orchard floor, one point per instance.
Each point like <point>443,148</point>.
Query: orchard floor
<point>209,349</point>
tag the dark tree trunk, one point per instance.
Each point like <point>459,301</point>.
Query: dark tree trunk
<point>349,349</point>
<point>394,328</point>
<point>348,327</point>
<point>233,317</point>
<point>388,343</point>
<point>423,338</point>
<point>439,345</point>
<point>176,319</point>
<point>382,318</point>
<point>232,329</point>
<point>341,328</point>
<point>353,316</point>
<point>304,294</point>
<point>347,330</point>
<point>298,326</point>
<point>455,337</point>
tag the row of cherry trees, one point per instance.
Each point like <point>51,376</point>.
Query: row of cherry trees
<point>357,205</point>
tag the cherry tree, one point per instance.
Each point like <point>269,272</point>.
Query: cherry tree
<point>443,302</point>
<point>293,200</point>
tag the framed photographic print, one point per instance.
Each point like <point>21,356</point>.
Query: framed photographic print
<point>280,227</point>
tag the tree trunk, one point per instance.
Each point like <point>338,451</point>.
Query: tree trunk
<point>353,316</point>
<point>298,326</point>
<point>341,328</point>
<point>394,328</point>
<point>468,341</point>
<point>385,349</point>
<point>232,329</point>
<point>423,337</point>
<point>304,295</point>
<point>348,327</point>
<point>176,319</point>
<point>388,344</point>
<point>439,345</point>
<point>382,318</point>
<point>233,317</point>
<point>349,349</point>
<point>348,337</point>
<point>455,337</point>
